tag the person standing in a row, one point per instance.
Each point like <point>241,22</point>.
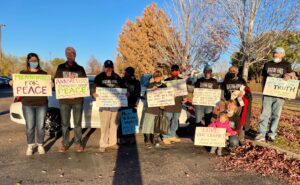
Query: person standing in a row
<point>34,108</point>
<point>277,68</point>
<point>108,116</point>
<point>151,112</point>
<point>133,86</point>
<point>207,82</point>
<point>70,69</point>
<point>172,112</point>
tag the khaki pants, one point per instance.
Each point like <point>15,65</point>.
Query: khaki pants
<point>109,127</point>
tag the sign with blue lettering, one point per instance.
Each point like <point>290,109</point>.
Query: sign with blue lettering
<point>279,87</point>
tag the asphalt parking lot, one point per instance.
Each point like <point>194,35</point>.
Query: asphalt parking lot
<point>180,163</point>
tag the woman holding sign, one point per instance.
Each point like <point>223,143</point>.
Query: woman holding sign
<point>109,122</point>
<point>151,112</point>
<point>34,108</point>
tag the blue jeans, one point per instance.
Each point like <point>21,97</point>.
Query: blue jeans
<point>233,141</point>
<point>201,110</point>
<point>271,105</point>
<point>65,112</point>
<point>174,121</point>
<point>35,117</point>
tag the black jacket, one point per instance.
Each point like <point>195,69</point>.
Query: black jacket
<point>65,71</point>
<point>134,89</point>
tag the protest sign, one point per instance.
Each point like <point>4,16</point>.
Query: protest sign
<point>72,88</point>
<point>179,87</point>
<point>207,97</point>
<point>280,88</point>
<point>129,122</point>
<point>210,136</point>
<point>160,97</point>
<point>111,97</point>
<point>32,85</point>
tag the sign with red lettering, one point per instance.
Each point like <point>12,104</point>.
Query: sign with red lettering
<point>210,136</point>
<point>32,85</point>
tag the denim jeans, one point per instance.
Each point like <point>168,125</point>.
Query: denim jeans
<point>271,105</point>
<point>201,110</point>
<point>35,117</point>
<point>233,141</point>
<point>174,121</point>
<point>65,112</point>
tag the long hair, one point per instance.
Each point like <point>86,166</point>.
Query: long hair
<point>29,56</point>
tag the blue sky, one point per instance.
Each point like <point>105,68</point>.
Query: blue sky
<point>48,26</point>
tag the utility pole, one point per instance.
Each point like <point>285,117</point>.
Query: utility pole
<point>1,65</point>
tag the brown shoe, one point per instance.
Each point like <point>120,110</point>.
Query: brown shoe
<point>175,139</point>
<point>114,147</point>
<point>78,148</point>
<point>102,149</point>
<point>167,141</point>
<point>63,148</point>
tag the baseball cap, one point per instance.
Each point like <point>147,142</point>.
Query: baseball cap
<point>279,50</point>
<point>108,64</point>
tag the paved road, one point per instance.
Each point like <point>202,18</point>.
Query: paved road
<point>177,164</point>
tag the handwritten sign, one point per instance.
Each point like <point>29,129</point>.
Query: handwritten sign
<point>210,136</point>
<point>72,88</point>
<point>160,97</point>
<point>179,87</point>
<point>111,97</point>
<point>129,122</point>
<point>207,97</point>
<point>32,85</point>
<point>281,88</point>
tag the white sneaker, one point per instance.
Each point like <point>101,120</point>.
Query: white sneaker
<point>29,150</point>
<point>41,149</point>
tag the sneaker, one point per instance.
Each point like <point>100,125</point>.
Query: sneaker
<point>29,150</point>
<point>167,141</point>
<point>271,139</point>
<point>175,139</point>
<point>114,147</point>
<point>78,148</point>
<point>41,149</point>
<point>148,145</point>
<point>102,149</point>
<point>260,137</point>
<point>63,148</point>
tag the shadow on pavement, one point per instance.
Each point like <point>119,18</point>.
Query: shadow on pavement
<point>87,137</point>
<point>4,112</point>
<point>127,168</point>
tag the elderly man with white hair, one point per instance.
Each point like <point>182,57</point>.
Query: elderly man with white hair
<point>272,106</point>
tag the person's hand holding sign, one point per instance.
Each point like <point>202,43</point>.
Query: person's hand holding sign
<point>95,95</point>
<point>11,82</point>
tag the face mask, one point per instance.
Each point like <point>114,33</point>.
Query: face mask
<point>175,73</point>
<point>277,60</point>
<point>231,75</point>
<point>33,64</point>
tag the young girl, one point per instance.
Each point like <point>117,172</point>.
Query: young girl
<point>222,122</point>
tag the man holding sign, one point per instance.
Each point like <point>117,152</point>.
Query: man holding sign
<point>70,70</point>
<point>108,79</point>
<point>206,82</point>
<point>278,68</point>
<point>173,111</point>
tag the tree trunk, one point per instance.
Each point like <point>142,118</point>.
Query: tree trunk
<point>245,70</point>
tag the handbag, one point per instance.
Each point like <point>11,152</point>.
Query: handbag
<point>161,123</point>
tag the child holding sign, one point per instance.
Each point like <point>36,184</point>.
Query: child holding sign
<point>222,122</point>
